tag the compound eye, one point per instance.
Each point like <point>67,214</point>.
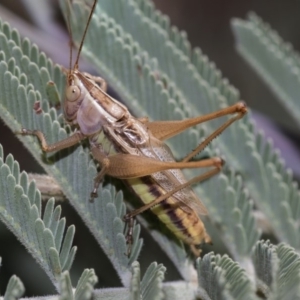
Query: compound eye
<point>72,93</point>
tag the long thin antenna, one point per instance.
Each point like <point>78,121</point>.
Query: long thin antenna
<point>70,33</point>
<point>84,34</point>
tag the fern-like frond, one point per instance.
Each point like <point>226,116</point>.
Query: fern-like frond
<point>15,289</point>
<point>221,278</point>
<point>288,285</point>
<point>278,65</point>
<point>84,289</point>
<point>150,288</point>
<point>200,62</point>
<point>277,269</point>
<point>274,60</point>
<point>266,265</point>
<point>27,76</point>
<point>20,211</point>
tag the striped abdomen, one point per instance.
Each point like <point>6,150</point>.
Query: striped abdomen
<point>187,226</point>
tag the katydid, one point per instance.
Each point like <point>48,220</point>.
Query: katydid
<point>133,149</point>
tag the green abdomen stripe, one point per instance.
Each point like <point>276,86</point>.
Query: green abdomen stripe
<point>186,226</point>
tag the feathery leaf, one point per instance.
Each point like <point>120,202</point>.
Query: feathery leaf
<point>104,216</point>
<point>15,289</point>
<point>222,278</point>
<point>22,215</point>
<point>274,60</point>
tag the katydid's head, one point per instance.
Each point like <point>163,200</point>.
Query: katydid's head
<point>73,96</point>
<point>74,93</point>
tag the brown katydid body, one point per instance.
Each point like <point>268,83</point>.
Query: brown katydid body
<point>134,150</point>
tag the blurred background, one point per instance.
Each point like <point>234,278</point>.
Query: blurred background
<point>207,24</point>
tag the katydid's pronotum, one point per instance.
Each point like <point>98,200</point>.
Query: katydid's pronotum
<point>137,152</point>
